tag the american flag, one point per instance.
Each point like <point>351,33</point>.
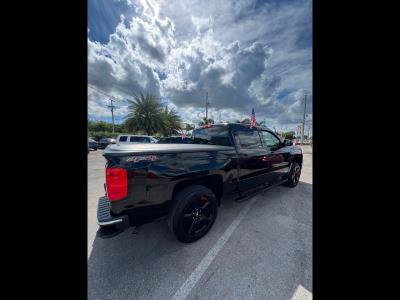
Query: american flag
<point>253,118</point>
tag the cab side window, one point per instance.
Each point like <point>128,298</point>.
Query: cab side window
<point>247,138</point>
<point>270,140</point>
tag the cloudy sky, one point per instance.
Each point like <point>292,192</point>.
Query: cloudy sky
<point>244,53</point>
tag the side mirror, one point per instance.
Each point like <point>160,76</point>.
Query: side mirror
<point>288,142</point>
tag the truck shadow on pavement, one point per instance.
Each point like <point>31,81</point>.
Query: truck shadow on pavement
<point>135,265</point>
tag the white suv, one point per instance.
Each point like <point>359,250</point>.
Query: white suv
<point>135,139</point>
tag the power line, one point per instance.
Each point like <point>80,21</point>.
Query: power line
<point>107,95</point>
<point>115,87</point>
<point>112,107</point>
<point>103,93</point>
<point>116,99</point>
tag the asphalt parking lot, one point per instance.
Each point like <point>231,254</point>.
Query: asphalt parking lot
<point>257,249</point>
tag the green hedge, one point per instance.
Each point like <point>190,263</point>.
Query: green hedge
<point>97,135</point>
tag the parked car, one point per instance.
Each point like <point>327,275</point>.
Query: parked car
<point>104,142</point>
<point>92,144</point>
<point>135,139</point>
<point>186,181</point>
<point>174,140</point>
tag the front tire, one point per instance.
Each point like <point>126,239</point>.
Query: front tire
<point>294,175</point>
<point>193,213</point>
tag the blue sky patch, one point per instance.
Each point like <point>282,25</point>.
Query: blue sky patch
<point>104,16</point>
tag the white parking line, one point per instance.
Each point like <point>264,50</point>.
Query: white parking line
<point>302,294</point>
<point>191,281</point>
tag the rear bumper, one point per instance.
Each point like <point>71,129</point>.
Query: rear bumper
<point>110,226</point>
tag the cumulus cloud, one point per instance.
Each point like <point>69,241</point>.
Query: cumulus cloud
<point>225,72</point>
<point>244,53</point>
<point>127,64</point>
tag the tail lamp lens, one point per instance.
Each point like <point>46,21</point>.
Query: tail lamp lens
<point>117,183</point>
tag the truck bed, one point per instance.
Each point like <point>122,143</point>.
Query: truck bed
<point>116,149</point>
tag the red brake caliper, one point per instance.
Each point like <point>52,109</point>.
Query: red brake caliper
<point>203,200</point>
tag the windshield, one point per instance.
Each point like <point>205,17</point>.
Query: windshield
<point>215,135</point>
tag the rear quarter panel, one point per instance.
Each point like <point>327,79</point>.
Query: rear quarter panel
<point>153,182</point>
<point>221,163</point>
<point>137,173</point>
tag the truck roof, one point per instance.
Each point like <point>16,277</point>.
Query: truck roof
<point>233,124</point>
<point>138,135</point>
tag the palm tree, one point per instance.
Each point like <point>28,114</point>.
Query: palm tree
<point>145,114</point>
<point>186,128</point>
<point>205,121</point>
<point>248,121</point>
<point>260,123</point>
<point>171,122</point>
<point>189,127</point>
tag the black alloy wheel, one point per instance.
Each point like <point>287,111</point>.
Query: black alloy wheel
<point>294,175</point>
<point>197,216</point>
<point>193,213</point>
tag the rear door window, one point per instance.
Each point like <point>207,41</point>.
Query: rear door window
<point>123,138</point>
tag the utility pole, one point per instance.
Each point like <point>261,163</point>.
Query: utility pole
<point>304,117</point>
<point>207,104</point>
<point>112,107</point>
<point>220,117</point>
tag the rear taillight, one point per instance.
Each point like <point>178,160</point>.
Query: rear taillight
<point>117,183</point>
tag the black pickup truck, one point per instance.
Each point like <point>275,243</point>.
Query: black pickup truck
<point>187,181</point>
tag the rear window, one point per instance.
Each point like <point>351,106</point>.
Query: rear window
<point>174,140</point>
<point>139,139</point>
<point>215,135</point>
<point>123,138</point>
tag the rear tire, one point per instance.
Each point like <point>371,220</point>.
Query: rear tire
<point>193,213</point>
<point>294,175</point>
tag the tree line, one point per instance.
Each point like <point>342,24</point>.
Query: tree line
<point>147,116</point>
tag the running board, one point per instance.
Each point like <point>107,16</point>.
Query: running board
<point>243,198</point>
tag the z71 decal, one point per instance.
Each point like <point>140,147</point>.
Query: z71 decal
<point>141,158</point>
